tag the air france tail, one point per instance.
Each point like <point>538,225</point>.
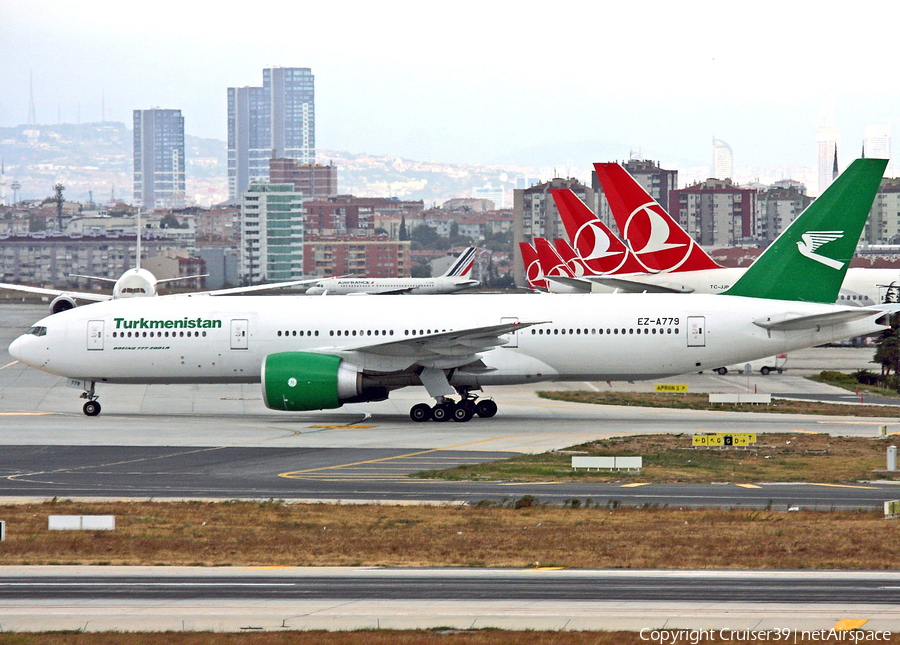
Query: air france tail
<point>463,265</point>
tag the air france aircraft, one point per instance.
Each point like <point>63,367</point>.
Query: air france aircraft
<point>455,278</point>
<point>319,353</point>
<point>672,260</point>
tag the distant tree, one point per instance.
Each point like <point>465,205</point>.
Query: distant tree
<point>170,221</point>
<point>420,271</point>
<point>426,237</point>
<point>380,231</point>
<point>36,224</point>
<point>404,234</point>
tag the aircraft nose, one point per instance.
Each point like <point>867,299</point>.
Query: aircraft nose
<point>15,349</point>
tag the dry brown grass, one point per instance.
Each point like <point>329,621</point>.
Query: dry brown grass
<point>482,637</point>
<point>701,402</point>
<point>216,534</point>
<point>776,457</point>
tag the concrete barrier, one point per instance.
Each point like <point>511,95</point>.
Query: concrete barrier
<point>608,463</point>
<point>741,398</point>
<point>81,523</point>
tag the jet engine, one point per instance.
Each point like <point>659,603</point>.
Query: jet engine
<point>61,303</point>
<point>299,381</point>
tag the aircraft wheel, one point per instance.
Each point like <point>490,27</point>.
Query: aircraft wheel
<point>463,411</point>
<point>765,370</point>
<point>486,409</point>
<point>722,371</point>
<point>91,408</point>
<point>420,412</point>
<point>442,412</point>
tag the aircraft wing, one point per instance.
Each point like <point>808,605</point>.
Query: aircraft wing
<point>93,297</point>
<point>383,292</point>
<point>183,277</point>
<point>636,285</point>
<point>442,350</point>
<point>792,322</point>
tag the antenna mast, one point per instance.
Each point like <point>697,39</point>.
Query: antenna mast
<point>138,260</point>
<point>32,120</point>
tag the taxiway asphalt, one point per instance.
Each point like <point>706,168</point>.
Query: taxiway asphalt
<point>240,599</point>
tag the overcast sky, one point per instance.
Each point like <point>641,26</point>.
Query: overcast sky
<point>477,82</point>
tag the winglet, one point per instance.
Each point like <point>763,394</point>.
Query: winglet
<point>657,240</point>
<point>809,259</point>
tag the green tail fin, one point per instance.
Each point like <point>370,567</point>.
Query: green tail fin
<point>809,259</point>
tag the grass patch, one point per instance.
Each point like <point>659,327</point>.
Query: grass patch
<point>253,534</point>
<point>852,383</point>
<point>701,402</point>
<point>776,457</point>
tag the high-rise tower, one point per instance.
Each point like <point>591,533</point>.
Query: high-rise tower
<point>723,160</point>
<point>277,120</point>
<point>158,157</point>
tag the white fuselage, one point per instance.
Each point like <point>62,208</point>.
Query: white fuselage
<point>203,339</point>
<point>861,287</point>
<point>346,286</point>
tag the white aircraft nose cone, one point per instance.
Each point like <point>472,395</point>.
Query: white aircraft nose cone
<point>15,349</point>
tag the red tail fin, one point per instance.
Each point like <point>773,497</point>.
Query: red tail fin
<point>657,240</point>
<point>576,265</point>
<point>533,274</point>
<point>597,246</point>
<point>551,263</point>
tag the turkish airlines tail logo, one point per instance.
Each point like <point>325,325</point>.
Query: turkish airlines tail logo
<point>533,273</point>
<point>660,231</point>
<point>813,240</point>
<point>596,245</point>
<point>655,237</point>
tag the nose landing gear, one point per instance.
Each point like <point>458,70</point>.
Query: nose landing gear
<point>92,407</point>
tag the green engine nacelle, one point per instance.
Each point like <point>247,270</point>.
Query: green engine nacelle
<point>299,381</point>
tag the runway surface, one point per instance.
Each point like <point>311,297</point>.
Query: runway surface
<point>35,598</point>
<point>321,474</point>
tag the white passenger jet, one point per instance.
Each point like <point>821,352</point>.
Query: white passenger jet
<point>454,279</point>
<point>134,283</point>
<point>319,353</point>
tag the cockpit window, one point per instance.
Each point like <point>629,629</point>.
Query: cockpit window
<point>37,331</point>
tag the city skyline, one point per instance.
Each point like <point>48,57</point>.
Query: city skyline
<point>583,88</point>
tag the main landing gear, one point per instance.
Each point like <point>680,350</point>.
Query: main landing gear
<point>446,409</point>
<point>92,407</point>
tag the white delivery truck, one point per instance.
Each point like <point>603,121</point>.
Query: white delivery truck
<point>764,366</point>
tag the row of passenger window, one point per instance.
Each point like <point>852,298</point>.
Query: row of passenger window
<point>158,334</point>
<point>613,331</point>
<point>362,332</point>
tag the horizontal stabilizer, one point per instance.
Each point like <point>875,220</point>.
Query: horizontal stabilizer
<point>634,285</point>
<point>576,283</point>
<point>794,322</point>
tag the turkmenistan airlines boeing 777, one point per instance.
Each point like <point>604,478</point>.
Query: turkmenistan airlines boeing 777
<point>318,353</point>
